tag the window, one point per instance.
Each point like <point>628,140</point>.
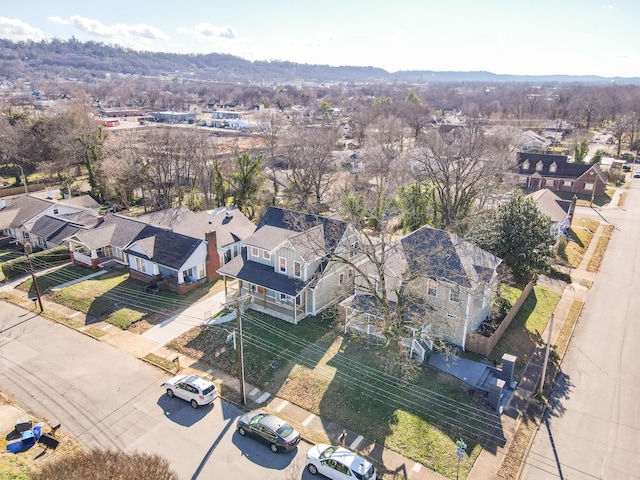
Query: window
<point>254,288</point>
<point>354,247</point>
<point>549,182</point>
<point>432,287</point>
<point>140,265</point>
<point>588,186</point>
<point>341,279</point>
<point>539,167</point>
<point>254,251</point>
<point>525,165</point>
<point>567,183</point>
<point>454,295</point>
<point>266,255</point>
<point>297,269</point>
<point>283,265</point>
<point>201,271</point>
<point>553,167</point>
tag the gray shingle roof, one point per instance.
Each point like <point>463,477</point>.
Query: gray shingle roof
<point>263,275</point>
<point>164,246</point>
<point>446,257</point>
<point>21,209</point>
<point>229,223</point>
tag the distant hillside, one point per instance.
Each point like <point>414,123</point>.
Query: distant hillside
<point>89,61</point>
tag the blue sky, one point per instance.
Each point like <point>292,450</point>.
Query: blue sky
<point>575,37</point>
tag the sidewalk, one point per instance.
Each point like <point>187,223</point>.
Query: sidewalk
<point>490,460</point>
<point>314,428</point>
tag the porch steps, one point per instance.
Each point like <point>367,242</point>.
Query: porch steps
<point>486,377</point>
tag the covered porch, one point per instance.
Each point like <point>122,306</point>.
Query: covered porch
<point>291,308</point>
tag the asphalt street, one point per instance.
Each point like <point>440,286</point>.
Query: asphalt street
<point>107,398</point>
<point>592,429</point>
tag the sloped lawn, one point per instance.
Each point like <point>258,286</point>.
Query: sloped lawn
<point>343,380</point>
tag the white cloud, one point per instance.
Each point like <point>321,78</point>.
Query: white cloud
<point>15,29</point>
<point>56,19</point>
<point>138,35</point>
<point>206,31</point>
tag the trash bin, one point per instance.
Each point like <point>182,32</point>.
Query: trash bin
<point>22,425</point>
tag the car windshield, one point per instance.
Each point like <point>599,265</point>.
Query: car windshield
<point>328,452</point>
<point>285,430</point>
<point>366,476</point>
<point>208,390</point>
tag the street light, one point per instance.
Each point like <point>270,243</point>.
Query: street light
<point>26,190</point>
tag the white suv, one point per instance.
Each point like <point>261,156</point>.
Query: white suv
<point>193,389</point>
<point>339,463</point>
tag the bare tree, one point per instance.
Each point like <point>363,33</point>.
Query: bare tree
<point>312,169</point>
<point>461,168</point>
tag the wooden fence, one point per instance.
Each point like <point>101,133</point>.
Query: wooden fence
<point>32,187</point>
<point>484,345</point>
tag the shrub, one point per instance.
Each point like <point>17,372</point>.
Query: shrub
<point>107,465</point>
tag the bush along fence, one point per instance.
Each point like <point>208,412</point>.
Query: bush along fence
<point>20,266</point>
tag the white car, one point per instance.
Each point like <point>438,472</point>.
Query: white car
<point>193,389</point>
<point>338,463</point>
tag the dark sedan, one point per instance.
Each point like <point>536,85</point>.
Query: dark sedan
<point>278,434</point>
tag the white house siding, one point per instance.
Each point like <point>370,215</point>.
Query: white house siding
<point>329,290</point>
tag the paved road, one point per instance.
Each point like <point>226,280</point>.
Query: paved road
<point>593,428</point>
<point>107,398</point>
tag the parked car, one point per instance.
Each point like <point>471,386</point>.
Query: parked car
<point>636,174</point>
<point>269,429</point>
<point>193,389</point>
<point>338,463</point>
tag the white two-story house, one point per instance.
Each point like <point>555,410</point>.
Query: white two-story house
<point>286,265</point>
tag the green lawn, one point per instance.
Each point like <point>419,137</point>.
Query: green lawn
<point>113,296</point>
<point>525,331</point>
<point>344,380</point>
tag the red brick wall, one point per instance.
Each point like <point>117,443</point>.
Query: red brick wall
<point>213,259</point>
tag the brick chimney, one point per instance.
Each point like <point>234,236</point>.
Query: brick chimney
<point>213,259</point>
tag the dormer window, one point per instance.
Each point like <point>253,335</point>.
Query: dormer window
<point>525,165</point>
<point>553,167</point>
<point>282,266</point>
<point>297,269</point>
<point>539,167</point>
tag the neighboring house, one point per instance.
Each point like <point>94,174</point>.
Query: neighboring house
<point>22,220</point>
<point>558,210</point>
<point>535,171</point>
<point>176,247</point>
<point>286,264</point>
<point>444,284</point>
<point>152,254</point>
<point>228,224</point>
<point>48,231</point>
<point>530,141</point>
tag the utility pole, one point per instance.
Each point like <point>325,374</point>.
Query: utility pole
<point>240,305</point>
<point>546,355</point>
<point>27,250</point>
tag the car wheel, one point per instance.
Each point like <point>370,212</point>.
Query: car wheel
<point>274,448</point>
<point>312,469</point>
<point>242,431</point>
<point>194,404</point>
<point>169,392</point>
